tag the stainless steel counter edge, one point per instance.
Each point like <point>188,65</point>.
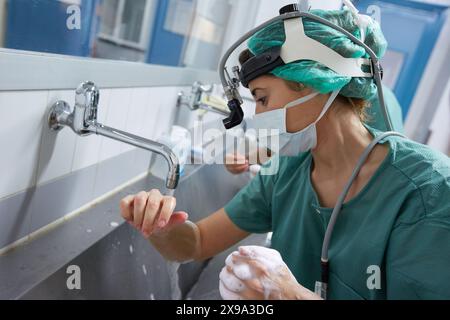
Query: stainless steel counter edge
<point>26,266</point>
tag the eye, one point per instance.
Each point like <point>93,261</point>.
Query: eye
<point>262,100</point>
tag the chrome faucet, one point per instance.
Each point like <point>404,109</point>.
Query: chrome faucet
<point>194,101</point>
<point>83,121</point>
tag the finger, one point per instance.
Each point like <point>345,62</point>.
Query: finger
<point>241,167</point>
<point>245,251</point>
<point>229,159</point>
<point>230,281</point>
<point>258,250</point>
<point>249,289</point>
<point>254,289</point>
<point>226,294</point>
<point>250,294</point>
<point>236,169</point>
<point>154,203</point>
<point>242,271</point>
<point>229,261</point>
<point>140,201</point>
<point>126,208</point>
<point>169,204</point>
<point>252,283</point>
<point>178,217</point>
<point>257,267</point>
<point>240,159</point>
<point>235,159</point>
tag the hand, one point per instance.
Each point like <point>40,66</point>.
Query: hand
<point>258,273</point>
<point>151,212</point>
<point>236,163</point>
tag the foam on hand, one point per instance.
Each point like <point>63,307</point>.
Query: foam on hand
<point>242,271</point>
<point>227,294</point>
<point>231,283</point>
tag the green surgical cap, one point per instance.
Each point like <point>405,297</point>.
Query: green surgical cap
<point>315,75</point>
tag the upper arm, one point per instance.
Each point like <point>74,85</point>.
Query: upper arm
<point>248,212</point>
<point>218,233</point>
<point>418,260</point>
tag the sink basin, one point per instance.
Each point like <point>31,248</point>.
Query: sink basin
<point>123,265</point>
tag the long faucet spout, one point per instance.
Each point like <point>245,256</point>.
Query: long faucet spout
<point>143,143</point>
<point>83,121</point>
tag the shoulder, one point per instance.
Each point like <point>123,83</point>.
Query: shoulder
<point>424,173</point>
<point>419,163</point>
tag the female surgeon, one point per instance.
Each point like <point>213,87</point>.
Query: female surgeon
<point>392,238</point>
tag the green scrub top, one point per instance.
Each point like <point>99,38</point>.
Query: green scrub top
<point>391,241</point>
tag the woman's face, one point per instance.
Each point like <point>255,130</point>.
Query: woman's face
<point>272,93</point>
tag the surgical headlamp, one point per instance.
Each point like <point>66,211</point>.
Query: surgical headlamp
<point>297,47</point>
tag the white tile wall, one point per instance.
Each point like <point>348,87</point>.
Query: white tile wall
<point>165,99</point>
<point>137,114</point>
<point>87,149</point>
<point>32,154</point>
<point>57,148</point>
<point>152,110</point>
<point>146,128</point>
<point>22,115</point>
<point>118,109</point>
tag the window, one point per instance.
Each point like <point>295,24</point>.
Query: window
<point>127,22</point>
<point>183,33</point>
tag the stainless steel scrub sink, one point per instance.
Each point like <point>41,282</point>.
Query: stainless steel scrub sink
<point>123,265</point>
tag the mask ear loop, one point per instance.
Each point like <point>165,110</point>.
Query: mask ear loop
<point>326,107</point>
<point>301,100</point>
<point>329,103</point>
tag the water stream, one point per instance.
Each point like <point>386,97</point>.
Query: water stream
<point>172,268</point>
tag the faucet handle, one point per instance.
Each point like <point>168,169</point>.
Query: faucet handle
<point>87,97</point>
<point>199,88</point>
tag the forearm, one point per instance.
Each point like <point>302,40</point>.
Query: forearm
<point>200,241</point>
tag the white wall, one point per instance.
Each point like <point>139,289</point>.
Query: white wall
<point>431,88</point>
<point>2,22</point>
<point>250,13</point>
<point>242,19</point>
<point>440,127</point>
<point>269,8</point>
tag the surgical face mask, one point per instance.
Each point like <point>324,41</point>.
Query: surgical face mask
<point>272,123</point>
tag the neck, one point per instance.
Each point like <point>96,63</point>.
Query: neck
<point>341,139</point>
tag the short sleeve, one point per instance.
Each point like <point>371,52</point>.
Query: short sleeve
<point>251,208</point>
<point>418,260</point>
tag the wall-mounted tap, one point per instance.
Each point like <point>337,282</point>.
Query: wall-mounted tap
<point>201,98</point>
<point>83,121</point>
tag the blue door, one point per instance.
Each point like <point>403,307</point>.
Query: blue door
<point>166,45</point>
<point>411,29</point>
<point>41,25</point>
